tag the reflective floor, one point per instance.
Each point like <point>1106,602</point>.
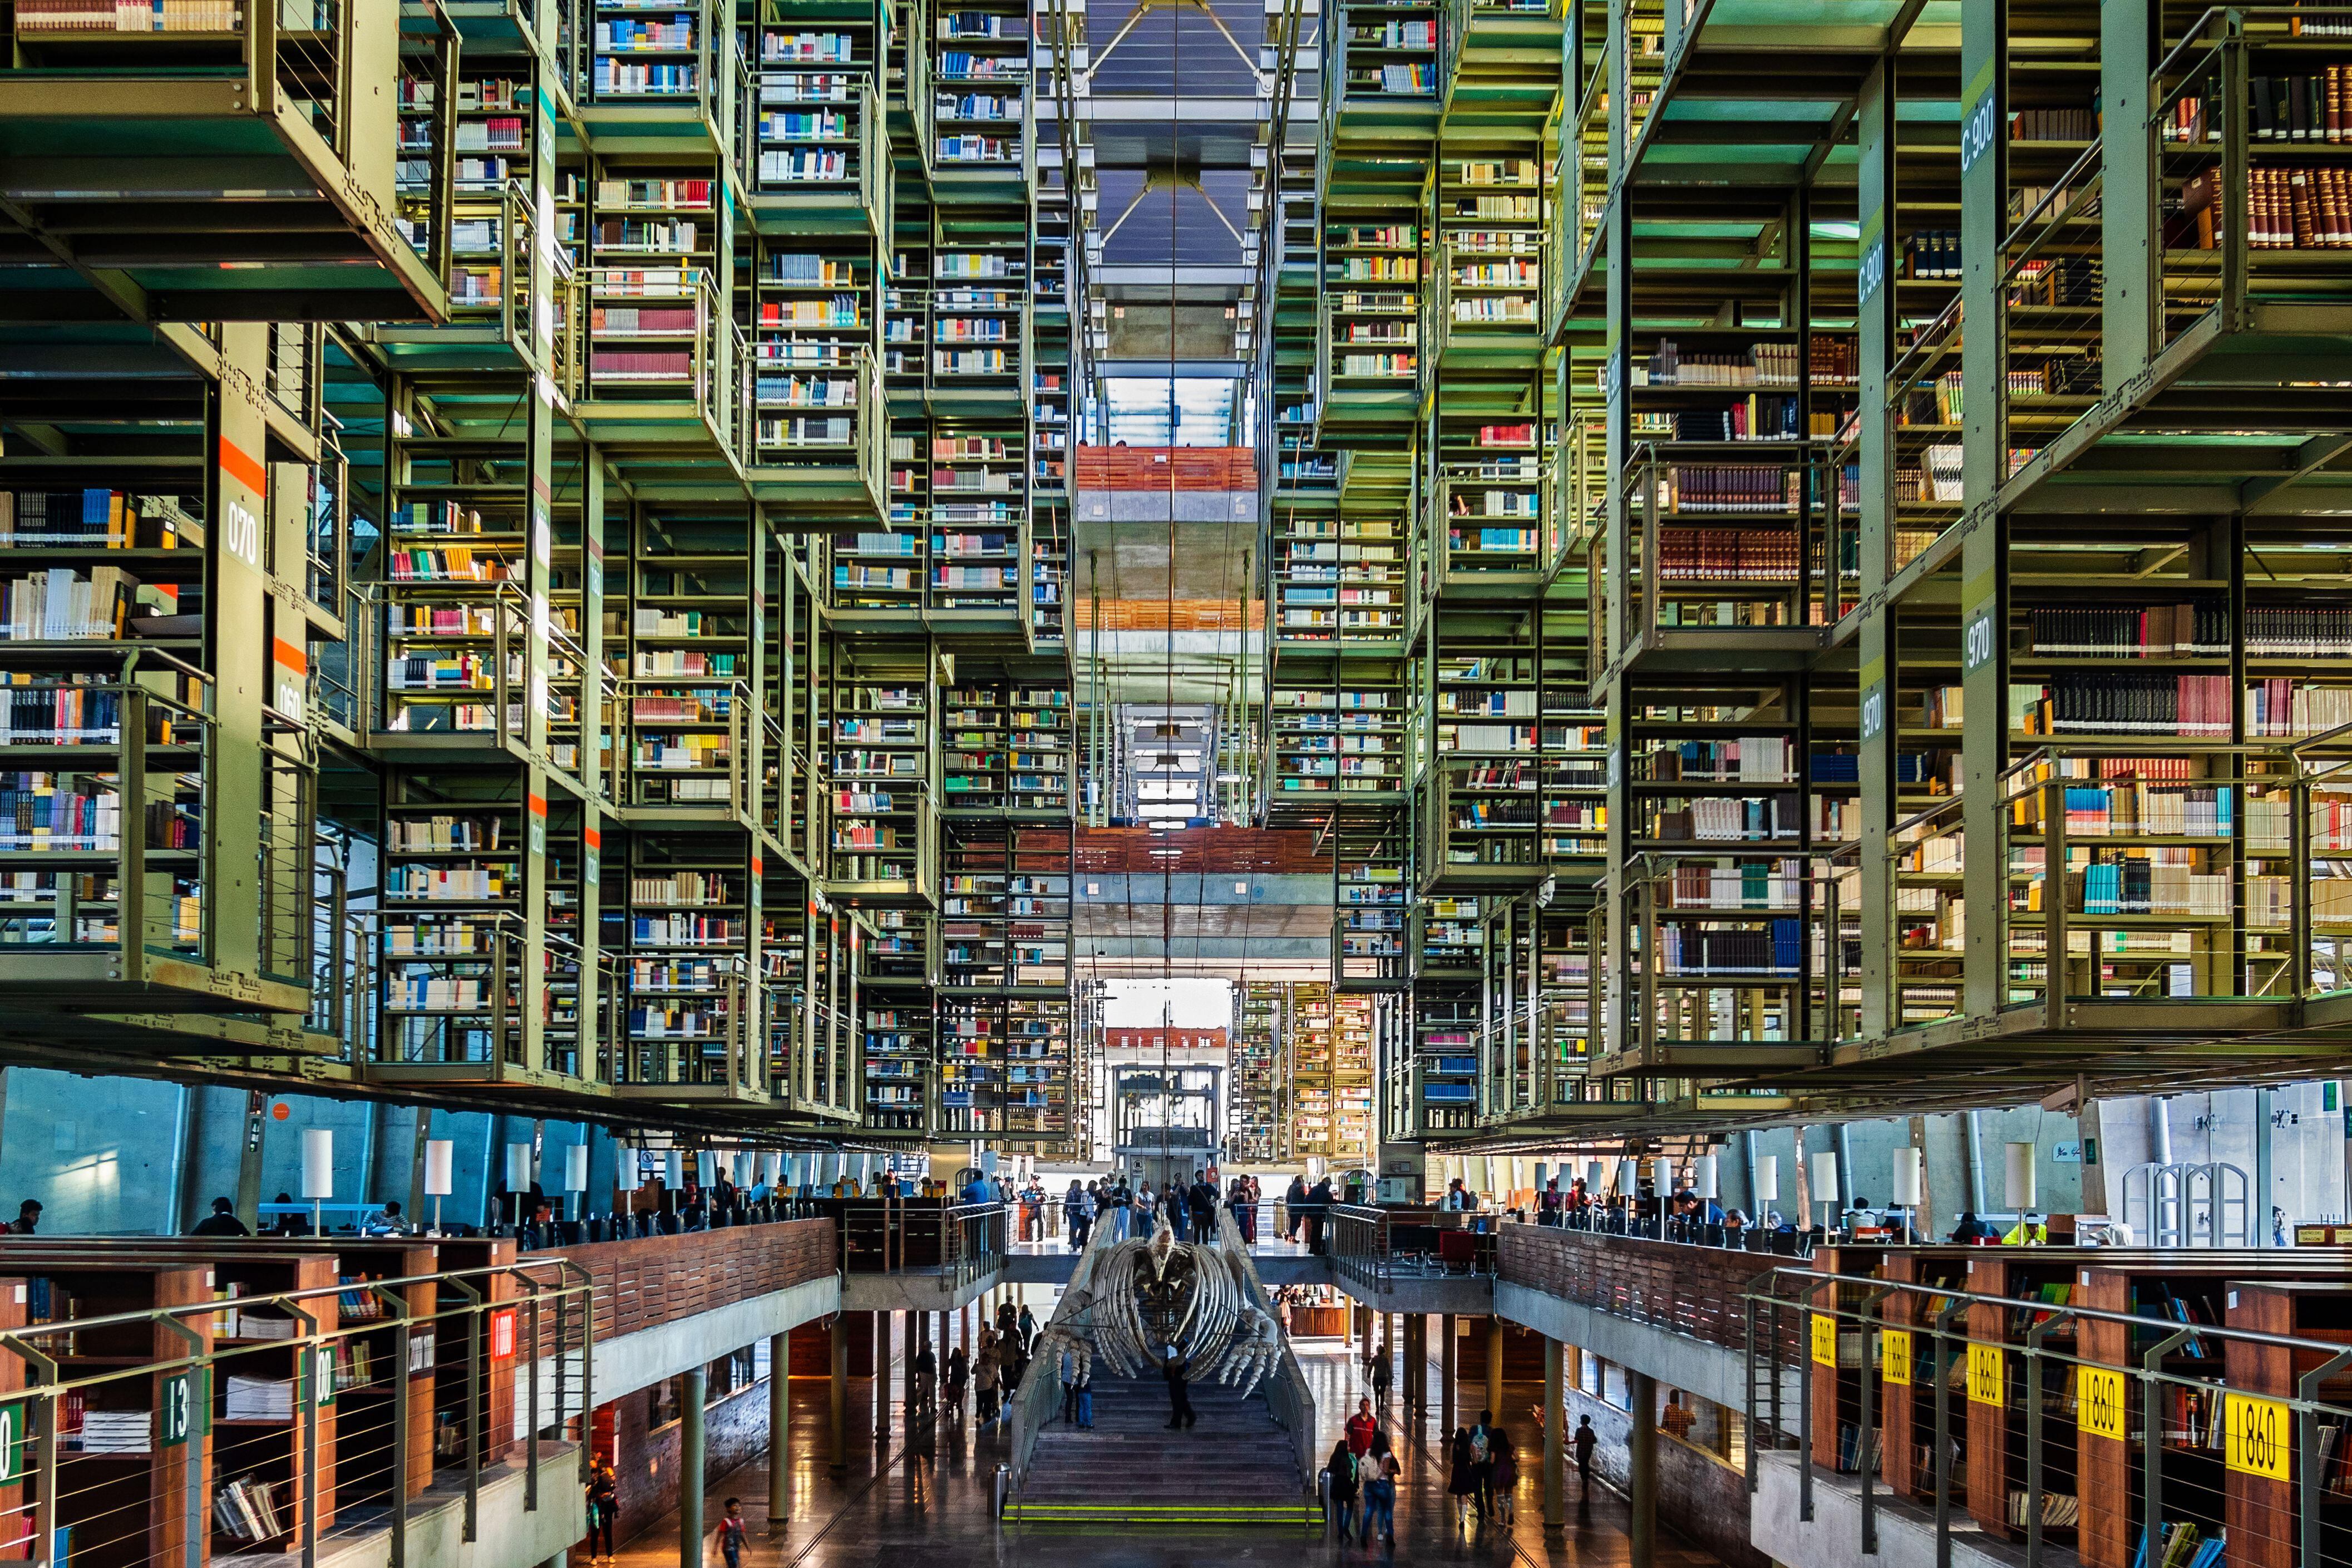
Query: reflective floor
<point>927,1502</point>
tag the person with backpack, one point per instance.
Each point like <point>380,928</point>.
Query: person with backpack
<point>1379,1473</point>
<point>1340,1481</point>
<point>1482,1462</point>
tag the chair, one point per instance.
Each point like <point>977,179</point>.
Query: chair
<point>1458,1247</point>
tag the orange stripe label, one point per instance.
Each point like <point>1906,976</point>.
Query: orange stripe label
<point>241,468</point>
<point>538,805</point>
<point>289,656</point>
<point>595,838</point>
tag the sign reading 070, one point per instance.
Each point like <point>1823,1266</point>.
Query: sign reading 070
<point>2259,1435</point>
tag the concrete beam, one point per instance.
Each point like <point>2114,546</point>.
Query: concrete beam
<point>507,1534</point>
<point>631,1361</point>
<point>1709,1371</point>
<point>910,1293</point>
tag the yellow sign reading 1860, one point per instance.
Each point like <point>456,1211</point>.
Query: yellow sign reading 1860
<point>1988,1376</point>
<point>1895,1356</point>
<point>2261,1435</point>
<point>2099,1402</point>
<point>1824,1339</point>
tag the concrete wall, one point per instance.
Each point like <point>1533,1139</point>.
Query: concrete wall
<point>1700,1498</point>
<point>121,1156</point>
<point>2308,1145</point>
<point>735,1433</point>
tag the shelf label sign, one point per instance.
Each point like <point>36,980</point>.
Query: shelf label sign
<point>1824,1341</point>
<point>2259,1435</point>
<point>1895,1356</point>
<point>318,1377</point>
<point>181,1419</point>
<point>1977,642</point>
<point>15,1436</point>
<point>1872,265</point>
<point>1976,128</point>
<point>2099,1402</point>
<point>1874,700</point>
<point>1988,1376</point>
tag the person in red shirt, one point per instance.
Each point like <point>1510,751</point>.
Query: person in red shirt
<point>1360,1428</point>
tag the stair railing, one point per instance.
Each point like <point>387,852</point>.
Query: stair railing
<point>1286,1393</point>
<point>1032,1404</point>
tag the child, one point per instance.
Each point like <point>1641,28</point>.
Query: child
<point>731,1533</point>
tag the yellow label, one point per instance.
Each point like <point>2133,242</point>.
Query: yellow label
<point>1895,1356</point>
<point>1824,1341</point>
<point>1988,1376</point>
<point>2261,1435</point>
<point>2099,1402</point>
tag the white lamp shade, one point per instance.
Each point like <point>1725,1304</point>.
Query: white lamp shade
<point>575,1168</point>
<point>1662,1175</point>
<point>672,1169</point>
<point>1704,1175</point>
<point>318,1162</point>
<point>518,1167</point>
<point>440,1166</point>
<point>1767,1178</point>
<point>1824,1171</point>
<point>1910,1165</point>
<point>1592,1174</point>
<point>2020,1172</point>
<point>1629,1177</point>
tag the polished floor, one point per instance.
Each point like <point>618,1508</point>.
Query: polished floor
<point>927,1502</point>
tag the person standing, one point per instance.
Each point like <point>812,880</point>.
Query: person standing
<point>1584,1439</point>
<point>1294,1208</point>
<point>1178,1371</point>
<point>985,1372</point>
<point>1339,1479</point>
<point>1204,1210</point>
<point>1380,1373</point>
<point>603,1507</point>
<point>924,1396</point>
<point>731,1533</point>
<point>959,1373</point>
<point>1085,1388</point>
<point>1482,1462</point>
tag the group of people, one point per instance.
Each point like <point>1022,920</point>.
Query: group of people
<point>1361,1474</point>
<point>1306,1208</point>
<point>1482,1471</point>
<point>1133,1210</point>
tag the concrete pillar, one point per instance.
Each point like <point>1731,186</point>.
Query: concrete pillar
<point>1445,1374</point>
<point>881,1377</point>
<point>780,1430</point>
<point>1642,1471</point>
<point>1494,1366</point>
<point>693,1456</point>
<point>1555,1478</point>
<point>839,1457</point>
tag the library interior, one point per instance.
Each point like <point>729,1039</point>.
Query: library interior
<point>1093,792</point>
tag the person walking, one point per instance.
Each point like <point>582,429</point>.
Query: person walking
<point>1339,1484</point>
<point>1361,1428</point>
<point>1481,1460</point>
<point>1147,1206</point>
<point>603,1507</point>
<point>731,1533</point>
<point>1505,1459</point>
<point>1028,1329</point>
<point>1074,1214</point>
<point>1178,1371</point>
<point>1460,1477</point>
<point>1379,1480</point>
<point>1584,1438</point>
<point>1085,1388</point>
<point>1379,1376</point>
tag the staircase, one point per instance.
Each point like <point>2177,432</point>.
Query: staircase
<point>1236,1466</point>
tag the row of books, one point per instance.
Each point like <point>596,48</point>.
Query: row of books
<point>1729,555</point>
<point>2280,707</point>
<point>2180,1546</point>
<point>1732,488</point>
<point>103,518</point>
<point>2191,705</point>
<point>1703,952</point>
<point>1751,418</point>
<point>39,16</point>
<point>2198,629</point>
<point>2097,811</point>
<point>1752,819</point>
<point>2054,125</point>
<point>1748,759</point>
